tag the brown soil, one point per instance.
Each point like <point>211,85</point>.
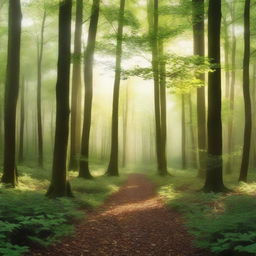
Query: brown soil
<point>133,221</point>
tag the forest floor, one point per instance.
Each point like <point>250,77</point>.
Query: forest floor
<point>133,221</point>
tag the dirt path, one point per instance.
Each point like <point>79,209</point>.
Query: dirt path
<point>132,222</point>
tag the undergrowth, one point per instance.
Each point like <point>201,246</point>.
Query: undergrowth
<point>223,224</point>
<point>29,220</point>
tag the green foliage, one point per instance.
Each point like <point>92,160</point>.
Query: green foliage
<point>228,227</point>
<point>92,193</point>
<point>223,224</point>
<point>181,72</point>
<point>111,14</point>
<point>29,219</point>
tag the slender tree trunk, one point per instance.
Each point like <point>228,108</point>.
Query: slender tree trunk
<point>162,76</point>
<point>183,133</point>
<point>59,186</point>
<point>125,121</point>
<point>11,91</point>
<point>199,49</point>
<point>40,50</point>
<point>153,32</point>
<point>52,126</point>
<point>84,171</point>
<point>232,96</point>
<point>113,163</point>
<point>214,176</point>
<point>76,98</point>
<point>246,92</point>
<point>192,134</point>
<point>226,51</point>
<point>22,121</point>
<point>253,151</point>
<point>27,148</point>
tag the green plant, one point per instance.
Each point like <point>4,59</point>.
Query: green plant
<point>223,224</point>
<point>29,219</point>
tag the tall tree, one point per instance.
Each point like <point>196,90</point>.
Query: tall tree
<point>40,50</point>
<point>232,92</point>
<point>192,133</point>
<point>76,90</point>
<point>214,173</point>
<point>11,91</point>
<point>22,121</point>
<point>159,77</point>
<point>59,186</point>
<point>226,55</point>
<point>113,163</point>
<point>246,93</point>
<point>162,84</point>
<point>253,147</point>
<point>199,49</point>
<point>183,133</point>
<point>84,171</point>
<point>125,123</point>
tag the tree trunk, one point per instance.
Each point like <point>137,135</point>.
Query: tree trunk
<point>183,132</point>
<point>246,93</point>
<point>40,49</point>
<point>22,122</point>
<point>113,163</point>
<point>232,95</point>
<point>199,49</point>
<point>162,77</point>
<point>226,51</point>
<point>192,134</point>
<point>253,149</point>
<point>52,127</point>
<point>76,98</point>
<point>59,186</point>
<point>214,176</point>
<point>84,171</point>
<point>125,121</point>
<point>153,32</point>
<point>11,91</point>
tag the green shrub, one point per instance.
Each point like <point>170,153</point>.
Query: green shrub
<point>29,219</point>
<point>223,224</point>
<point>226,226</point>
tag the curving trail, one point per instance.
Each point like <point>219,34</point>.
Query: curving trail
<point>133,222</point>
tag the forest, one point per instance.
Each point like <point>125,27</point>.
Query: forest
<point>127,127</point>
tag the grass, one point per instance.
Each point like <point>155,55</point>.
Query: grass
<point>222,223</point>
<point>29,219</point>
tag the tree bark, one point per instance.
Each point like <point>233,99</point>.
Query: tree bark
<point>162,77</point>
<point>153,21</point>
<point>183,133</point>
<point>226,51</point>
<point>199,49</point>
<point>84,171</point>
<point>59,186</point>
<point>192,134</point>
<point>246,93</point>
<point>75,136</point>
<point>125,122</point>
<point>22,121</point>
<point>113,163</point>
<point>253,148</point>
<point>11,91</point>
<point>232,95</point>
<point>214,175</point>
<point>40,50</point>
